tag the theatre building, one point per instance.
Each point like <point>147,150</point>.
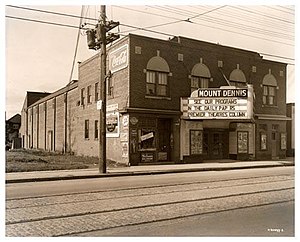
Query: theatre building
<point>177,100</point>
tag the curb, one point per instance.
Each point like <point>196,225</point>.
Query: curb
<point>139,173</point>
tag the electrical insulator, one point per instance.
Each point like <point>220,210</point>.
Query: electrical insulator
<point>90,33</point>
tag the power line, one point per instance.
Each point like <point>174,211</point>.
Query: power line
<point>76,46</point>
<point>235,32</point>
<point>51,12</point>
<point>283,11</point>
<point>267,16</point>
<point>247,18</point>
<point>183,20</point>
<point>271,33</point>
<point>138,28</point>
<point>286,8</point>
<point>230,23</point>
<point>44,22</point>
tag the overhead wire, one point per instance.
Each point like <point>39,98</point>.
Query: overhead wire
<point>126,25</point>
<point>177,20</point>
<point>182,20</point>
<point>258,13</point>
<point>231,14</point>
<point>76,46</point>
<point>43,22</point>
<point>222,29</point>
<point>232,24</point>
<point>274,8</point>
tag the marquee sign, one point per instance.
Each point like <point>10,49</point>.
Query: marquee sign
<point>222,103</point>
<point>118,59</point>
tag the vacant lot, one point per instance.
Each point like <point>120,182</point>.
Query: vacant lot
<point>36,160</point>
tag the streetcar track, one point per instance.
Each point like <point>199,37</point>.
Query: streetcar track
<point>145,187</point>
<point>151,205</point>
<point>148,194</point>
<point>178,217</point>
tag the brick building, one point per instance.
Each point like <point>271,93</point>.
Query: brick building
<point>146,123</point>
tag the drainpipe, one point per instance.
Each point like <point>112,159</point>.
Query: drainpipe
<point>66,112</point>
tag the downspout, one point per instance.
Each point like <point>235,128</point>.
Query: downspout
<point>54,121</point>
<point>45,110</point>
<point>66,113</point>
<point>37,126</point>
<point>31,145</point>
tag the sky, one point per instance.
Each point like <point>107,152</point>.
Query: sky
<point>39,56</point>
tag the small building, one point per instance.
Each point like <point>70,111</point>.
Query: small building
<point>177,100</point>
<point>290,129</point>
<point>12,127</point>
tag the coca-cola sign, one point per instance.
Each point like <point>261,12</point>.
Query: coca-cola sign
<point>118,59</point>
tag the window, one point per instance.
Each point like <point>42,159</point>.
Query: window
<point>157,83</point>
<point>96,129</point>
<point>198,82</point>
<point>269,85</point>
<point>89,95</point>
<point>200,76</point>
<point>157,73</point>
<point>82,96</point>
<point>269,95</point>
<point>96,91</point>
<point>237,84</point>
<point>86,129</point>
<point>237,77</point>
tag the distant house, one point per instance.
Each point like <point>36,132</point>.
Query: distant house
<point>12,127</point>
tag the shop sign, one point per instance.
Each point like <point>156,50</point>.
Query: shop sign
<point>125,150</point>
<point>242,142</point>
<point>283,141</point>
<point>112,107</point>
<point>112,124</point>
<point>125,120</point>
<point>112,121</point>
<point>118,59</point>
<point>147,157</point>
<point>124,137</point>
<point>210,103</point>
<point>147,136</point>
<point>133,120</point>
<point>162,156</point>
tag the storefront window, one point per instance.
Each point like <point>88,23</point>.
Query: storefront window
<point>242,142</point>
<point>263,141</point>
<point>147,139</point>
<point>196,141</point>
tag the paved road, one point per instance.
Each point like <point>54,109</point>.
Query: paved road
<point>156,205</point>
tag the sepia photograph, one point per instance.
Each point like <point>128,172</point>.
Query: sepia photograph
<point>149,119</point>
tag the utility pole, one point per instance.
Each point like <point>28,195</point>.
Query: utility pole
<point>102,140</point>
<point>97,38</point>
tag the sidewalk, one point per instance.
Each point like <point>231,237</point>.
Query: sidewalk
<point>18,177</point>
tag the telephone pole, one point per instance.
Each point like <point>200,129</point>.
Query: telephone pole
<point>102,140</point>
<point>97,38</point>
